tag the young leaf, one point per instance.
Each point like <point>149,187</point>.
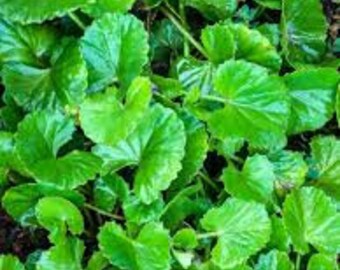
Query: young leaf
<point>255,182</point>
<point>9,262</point>
<point>274,260</point>
<point>239,236</point>
<point>25,44</point>
<point>64,255</point>
<point>322,262</point>
<point>106,120</point>
<point>62,82</point>
<point>185,239</point>
<point>108,190</point>
<point>156,146</point>
<point>290,169</point>
<point>27,11</point>
<point>218,41</point>
<point>107,47</point>
<point>39,138</point>
<point>326,164</point>
<point>20,201</point>
<point>311,218</point>
<point>312,94</point>
<point>100,7</point>
<point>149,251</point>
<point>304,33</point>
<point>57,215</point>
<point>254,47</point>
<point>253,94</point>
<point>214,9</point>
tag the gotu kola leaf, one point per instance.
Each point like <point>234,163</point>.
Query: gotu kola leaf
<point>149,251</point>
<point>156,146</point>
<point>322,262</point>
<point>115,48</point>
<point>106,120</point>
<point>58,215</point>
<point>304,33</point>
<point>325,162</point>
<point>99,7</point>
<point>27,11</point>
<point>311,218</point>
<point>64,255</point>
<point>9,262</point>
<point>274,260</point>
<point>255,105</point>
<point>52,74</point>
<point>38,140</point>
<point>312,93</point>
<point>255,182</point>
<point>239,236</point>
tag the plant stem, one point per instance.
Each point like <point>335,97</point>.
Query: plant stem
<point>186,51</point>
<point>298,262</point>
<point>208,235</point>
<point>76,20</point>
<point>102,212</point>
<point>208,181</point>
<point>184,32</point>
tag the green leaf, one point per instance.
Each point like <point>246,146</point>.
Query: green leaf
<point>185,239</point>
<point>218,41</point>
<point>149,251</point>
<point>254,47</point>
<point>58,215</point>
<point>107,47</point>
<point>108,190</point>
<point>311,218</point>
<point>274,260</point>
<point>183,258</point>
<point>272,4</point>
<point>271,32</point>
<point>322,262</point>
<point>25,44</point>
<point>20,201</point>
<point>39,138</point>
<point>97,261</point>
<point>290,169</point>
<point>337,107</point>
<point>138,213</point>
<point>279,239</point>
<point>98,8</point>
<point>239,236</point>
<point>194,73</point>
<point>304,33</point>
<point>27,11</point>
<point>6,148</point>
<point>65,255</point>
<point>196,149</point>
<point>156,146</point>
<point>9,262</point>
<point>312,94</point>
<point>253,94</point>
<point>106,120</point>
<point>326,164</point>
<point>62,82</point>
<point>214,9</point>
<point>254,182</point>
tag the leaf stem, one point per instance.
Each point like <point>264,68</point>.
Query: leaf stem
<point>102,212</point>
<point>76,20</point>
<point>184,32</point>
<point>186,51</point>
<point>208,181</point>
<point>298,262</point>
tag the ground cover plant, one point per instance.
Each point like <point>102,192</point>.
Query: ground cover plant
<point>174,134</point>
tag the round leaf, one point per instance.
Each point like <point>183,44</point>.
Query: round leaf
<point>115,48</point>
<point>311,218</point>
<point>239,236</point>
<point>156,146</point>
<point>274,260</point>
<point>55,213</point>
<point>100,7</point>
